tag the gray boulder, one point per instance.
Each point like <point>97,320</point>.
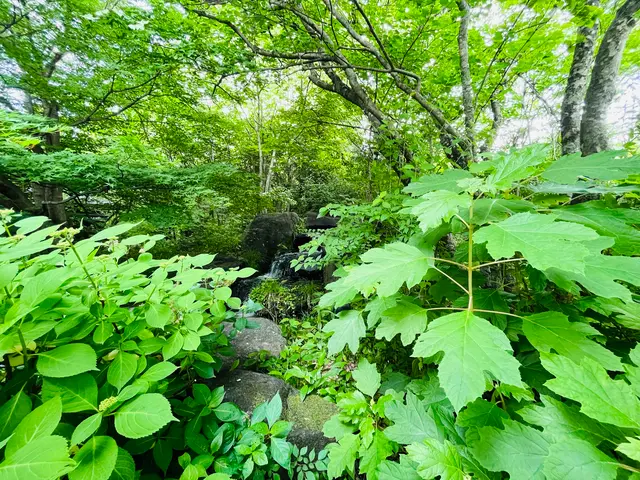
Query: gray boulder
<point>249,389</point>
<point>268,235</point>
<point>313,222</point>
<point>267,337</point>
<point>308,417</point>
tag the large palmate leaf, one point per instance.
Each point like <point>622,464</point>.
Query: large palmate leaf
<point>143,416</point>
<point>404,469</point>
<point>575,459</point>
<point>549,331</point>
<point>487,210</point>
<point>630,448</point>
<point>588,383</point>
<point>610,165</point>
<point>406,319</point>
<point>412,422</point>
<point>436,207</point>
<point>481,413</point>
<point>387,269</point>
<point>471,346</point>
<point>46,458</point>
<point>435,458</point>
<point>611,222</point>
<point>338,294</point>
<point>342,455</point>
<point>348,328</point>
<point>516,449</point>
<point>507,169</point>
<point>448,180</point>
<point>367,377</point>
<point>544,242</point>
<point>379,450</point>
<point>376,307</point>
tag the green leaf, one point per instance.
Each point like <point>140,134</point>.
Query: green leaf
<point>609,165</point>
<point>544,242</point>
<point>274,409</point>
<point>471,346</point>
<point>96,460</point>
<point>514,166</point>
<point>574,459</point>
<point>411,421</point>
<point>377,306</point>
<point>342,455</point>
<point>517,449</point>
<point>602,398</point>
<point>46,458</point>
<point>386,269</point>
<point>158,315</point>
<point>281,451</point>
<point>337,294</point>
<point>122,369</point>
<point>335,428</point>
<point>78,393</point>
<point>159,371</point>
<point>228,412</point>
<point>86,428</point>
<point>12,412</point>
<point>481,413</point>
<point>41,422</point>
<point>67,360</point>
<point>39,288</point>
<point>631,448</point>
<point>367,377</point>
<point>436,207</point>
<point>112,232</point>
<point>487,210</point>
<point>30,224</point>
<point>348,328</point>
<point>125,468</point>
<point>143,415</point>
<point>173,346</point>
<point>404,470</point>
<point>7,273</point>
<point>379,450</point>
<point>436,458</point>
<point>549,331</point>
<point>448,180</point>
<point>406,319</point>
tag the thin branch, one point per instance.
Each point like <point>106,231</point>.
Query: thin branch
<point>477,267</point>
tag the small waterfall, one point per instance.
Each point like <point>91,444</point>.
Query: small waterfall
<point>281,266</point>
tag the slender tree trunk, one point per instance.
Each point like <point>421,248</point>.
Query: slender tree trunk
<point>52,195</point>
<point>593,129</point>
<point>465,74</point>
<point>573,102</point>
<point>267,182</point>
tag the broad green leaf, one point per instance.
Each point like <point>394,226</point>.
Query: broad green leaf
<point>471,346</point>
<point>281,451</point>
<point>12,412</point>
<point>405,469</point>
<point>158,315</point>
<point>122,369</point>
<point>7,273</point>
<point>487,210</point>
<point>508,168</point>
<point>574,459</point>
<point>481,413</point>
<point>560,420</point>
<point>86,428</point>
<point>406,319</point>
<point>46,458</point>
<point>112,232</point>
<point>67,360</point>
<point>41,422</point>
<point>39,288</point>
<point>159,371</point>
<point>609,165</point>
<point>517,449</point>
<point>610,222</point>
<point>448,180</point>
<point>601,397</point>
<point>228,412</point>
<point>387,269</point>
<point>143,415</point>
<point>436,458</point>
<point>173,346</point>
<point>377,306</point>
<point>348,328</point>
<point>411,421</point>
<point>631,448</point>
<point>30,224</point>
<point>335,428</point>
<point>544,242</point>
<point>125,468</point>
<point>379,450</point>
<point>78,393</point>
<point>342,455</point>
<point>337,294</point>
<point>549,331</point>
<point>274,409</point>
<point>367,377</point>
<point>436,207</point>
<point>95,460</point>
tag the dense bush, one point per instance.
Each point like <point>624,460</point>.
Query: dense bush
<point>104,353</point>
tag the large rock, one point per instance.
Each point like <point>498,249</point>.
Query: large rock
<point>250,389</point>
<point>267,337</point>
<point>308,417</point>
<point>268,235</point>
<point>313,222</point>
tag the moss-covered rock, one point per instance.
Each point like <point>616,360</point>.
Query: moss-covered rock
<point>250,389</point>
<point>308,417</point>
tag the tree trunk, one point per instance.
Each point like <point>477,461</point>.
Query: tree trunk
<point>15,196</point>
<point>593,129</point>
<point>267,182</point>
<point>465,74</point>
<point>573,101</point>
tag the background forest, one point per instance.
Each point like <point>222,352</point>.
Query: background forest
<point>392,239</point>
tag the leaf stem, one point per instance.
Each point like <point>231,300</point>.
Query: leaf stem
<point>437,259</point>
<point>462,220</point>
<point>453,280</point>
<point>629,468</point>
<point>498,262</point>
<point>470,259</point>
<point>25,355</point>
<point>498,313</point>
<point>73,248</point>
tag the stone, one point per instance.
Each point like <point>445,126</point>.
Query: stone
<point>267,337</point>
<point>249,389</point>
<point>267,235</point>
<point>308,417</point>
<point>313,222</point>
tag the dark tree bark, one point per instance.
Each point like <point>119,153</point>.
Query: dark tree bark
<point>593,129</point>
<point>465,74</point>
<point>15,197</point>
